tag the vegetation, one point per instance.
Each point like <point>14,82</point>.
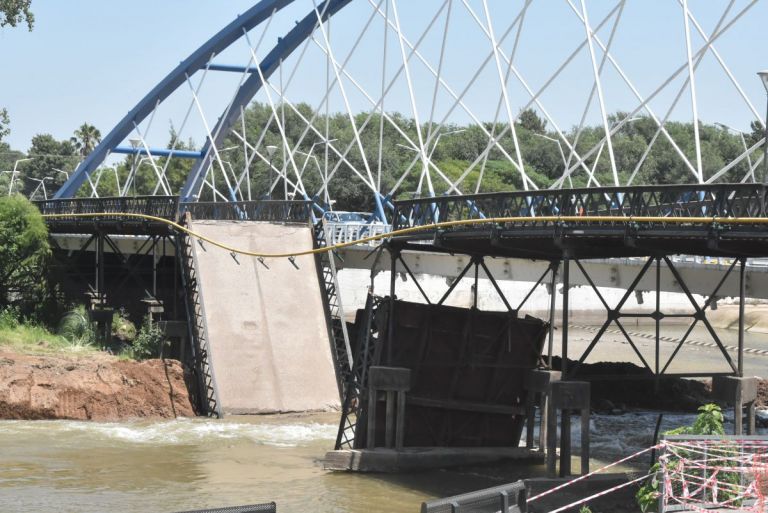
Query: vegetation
<point>456,150</point>
<point>149,342</point>
<point>85,139</point>
<point>708,422</point>
<point>122,328</point>
<point>14,12</point>
<point>5,122</point>
<point>24,252</point>
<point>75,327</point>
<point>27,336</point>
<point>29,301</point>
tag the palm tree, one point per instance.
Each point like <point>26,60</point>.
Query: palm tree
<point>85,139</point>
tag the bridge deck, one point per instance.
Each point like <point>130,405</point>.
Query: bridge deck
<point>707,220</point>
<point>266,324</point>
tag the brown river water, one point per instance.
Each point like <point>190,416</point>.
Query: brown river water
<point>63,466</point>
<point>187,464</point>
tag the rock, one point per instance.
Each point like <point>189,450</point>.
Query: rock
<point>91,387</point>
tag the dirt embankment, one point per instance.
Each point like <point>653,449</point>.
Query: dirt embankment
<point>637,390</point>
<point>93,387</point>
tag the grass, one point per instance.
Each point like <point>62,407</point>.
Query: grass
<point>32,339</point>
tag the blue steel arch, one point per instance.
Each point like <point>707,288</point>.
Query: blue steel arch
<point>198,60</point>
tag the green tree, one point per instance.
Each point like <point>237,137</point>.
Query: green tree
<point>24,252</point>
<point>13,12</point>
<point>530,120</point>
<point>85,139</point>
<point>48,154</point>
<point>5,122</point>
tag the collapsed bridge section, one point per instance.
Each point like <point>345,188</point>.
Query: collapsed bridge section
<point>266,326</point>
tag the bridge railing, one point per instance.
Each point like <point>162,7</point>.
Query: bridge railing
<point>340,233</point>
<point>263,210</point>
<point>721,200</point>
<point>165,207</point>
<point>508,498</point>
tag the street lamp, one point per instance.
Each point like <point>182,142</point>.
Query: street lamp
<point>764,78</point>
<point>743,142</point>
<point>62,172</point>
<point>437,139</point>
<point>135,143</point>
<point>40,183</point>
<point>13,173</point>
<point>271,152</point>
<point>562,153</point>
<point>324,175</point>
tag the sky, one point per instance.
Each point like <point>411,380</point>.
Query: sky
<point>92,60</point>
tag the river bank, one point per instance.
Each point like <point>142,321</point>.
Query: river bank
<point>90,386</point>
<point>100,387</point>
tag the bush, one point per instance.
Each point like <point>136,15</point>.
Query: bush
<point>122,328</point>
<point>708,422</point>
<point>149,342</point>
<point>9,318</point>
<point>76,328</point>
<point>24,253</point>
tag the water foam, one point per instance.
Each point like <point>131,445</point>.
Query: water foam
<point>180,431</point>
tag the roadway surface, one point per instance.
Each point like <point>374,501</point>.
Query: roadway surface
<point>266,323</point>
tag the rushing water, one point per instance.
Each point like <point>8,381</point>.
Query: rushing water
<point>183,464</point>
<point>63,466</point>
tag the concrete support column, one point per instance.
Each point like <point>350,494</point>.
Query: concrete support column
<point>739,392</point>
<point>537,384</point>
<point>566,396</point>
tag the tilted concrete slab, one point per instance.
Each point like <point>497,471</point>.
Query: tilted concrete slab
<point>266,326</point>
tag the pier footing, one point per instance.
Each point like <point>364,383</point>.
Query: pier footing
<point>424,458</point>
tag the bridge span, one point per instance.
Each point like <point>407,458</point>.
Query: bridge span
<point>260,277</point>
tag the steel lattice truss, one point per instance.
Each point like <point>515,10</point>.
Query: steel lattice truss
<point>446,66</point>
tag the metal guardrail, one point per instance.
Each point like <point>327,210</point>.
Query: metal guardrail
<point>721,200</point>
<point>168,207</point>
<point>165,207</point>
<point>340,233</point>
<point>263,210</point>
<point>509,498</point>
<point>269,507</point>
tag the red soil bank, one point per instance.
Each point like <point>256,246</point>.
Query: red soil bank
<point>90,387</point>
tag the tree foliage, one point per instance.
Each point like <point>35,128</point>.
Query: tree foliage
<point>13,12</point>
<point>49,157</point>
<point>393,161</point>
<point>24,252</point>
<point>85,139</point>
<point>5,122</point>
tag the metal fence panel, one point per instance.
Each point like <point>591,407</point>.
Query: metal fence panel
<point>509,498</point>
<point>269,507</point>
<point>262,210</point>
